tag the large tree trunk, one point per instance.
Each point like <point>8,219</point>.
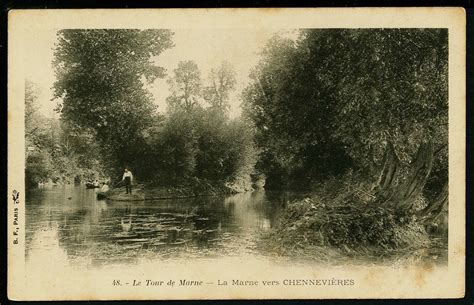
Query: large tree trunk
<point>434,208</point>
<point>418,174</point>
<point>402,196</point>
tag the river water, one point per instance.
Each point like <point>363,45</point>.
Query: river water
<point>70,226</point>
<point>70,223</point>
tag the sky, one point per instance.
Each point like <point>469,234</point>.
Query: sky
<point>208,48</point>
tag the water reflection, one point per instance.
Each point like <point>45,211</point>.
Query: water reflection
<point>69,222</point>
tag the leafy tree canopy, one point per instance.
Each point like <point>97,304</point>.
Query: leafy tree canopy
<point>339,95</point>
<point>101,75</point>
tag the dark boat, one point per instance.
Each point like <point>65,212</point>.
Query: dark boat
<point>91,185</point>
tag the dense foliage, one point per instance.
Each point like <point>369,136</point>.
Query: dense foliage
<point>334,99</point>
<point>55,150</point>
<point>199,142</point>
<point>100,79</point>
<point>329,101</point>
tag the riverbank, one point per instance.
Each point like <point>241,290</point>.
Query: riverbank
<point>142,192</point>
<point>341,221</point>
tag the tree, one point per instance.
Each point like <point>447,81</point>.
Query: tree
<point>291,117</point>
<point>185,85</point>
<point>335,98</point>
<point>222,82</point>
<point>100,79</point>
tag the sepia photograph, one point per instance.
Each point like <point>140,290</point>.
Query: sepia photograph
<point>230,161</point>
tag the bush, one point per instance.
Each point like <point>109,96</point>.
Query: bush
<point>200,144</point>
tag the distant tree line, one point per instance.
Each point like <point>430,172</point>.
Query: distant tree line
<point>55,150</point>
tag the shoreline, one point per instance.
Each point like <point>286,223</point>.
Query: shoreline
<point>144,193</point>
<point>168,198</point>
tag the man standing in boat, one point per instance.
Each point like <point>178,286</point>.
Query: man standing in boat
<point>127,178</point>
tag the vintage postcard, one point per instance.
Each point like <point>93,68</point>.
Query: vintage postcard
<point>162,154</point>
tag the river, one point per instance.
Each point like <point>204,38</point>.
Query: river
<point>70,224</point>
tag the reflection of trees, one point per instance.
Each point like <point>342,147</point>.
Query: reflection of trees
<point>45,244</point>
<point>116,227</point>
<point>71,211</point>
<point>258,210</point>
